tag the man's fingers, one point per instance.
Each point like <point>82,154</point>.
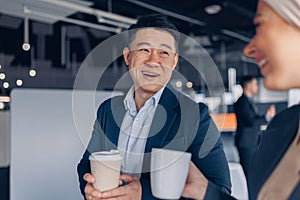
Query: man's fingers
<point>90,191</point>
<point>88,188</point>
<point>96,193</point>
<point>120,182</point>
<point>115,192</point>
<point>88,197</point>
<point>131,191</point>
<point>127,177</point>
<point>89,178</point>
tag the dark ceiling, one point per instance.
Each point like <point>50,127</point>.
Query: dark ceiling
<point>232,26</point>
<point>236,15</point>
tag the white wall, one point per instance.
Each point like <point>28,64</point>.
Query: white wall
<point>267,96</point>
<point>294,97</point>
<point>47,142</point>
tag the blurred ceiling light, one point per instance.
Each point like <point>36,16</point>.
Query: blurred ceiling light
<point>2,76</point>
<point>19,82</point>
<point>32,73</point>
<point>213,9</point>
<point>0,66</point>
<point>26,45</point>
<point>1,105</point>
<point>74,21</point>
<point>112,22</point>
<point>91,11</point>
<point>5,84</point>
<point>178,84</point>
<point>102,16</point>
<point>189,84</point>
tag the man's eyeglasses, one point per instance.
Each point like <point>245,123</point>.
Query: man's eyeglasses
<point>146,52</point>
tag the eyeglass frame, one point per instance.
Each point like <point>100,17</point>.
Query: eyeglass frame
<point>147,51</point>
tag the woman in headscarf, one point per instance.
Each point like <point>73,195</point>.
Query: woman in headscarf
<point>275,171</point>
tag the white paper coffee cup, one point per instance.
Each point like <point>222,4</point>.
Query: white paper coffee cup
<point>169,171</point>
<point>105,167</point>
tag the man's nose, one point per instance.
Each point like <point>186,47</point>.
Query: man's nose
<point>250,50</point>
<point>154,58</point>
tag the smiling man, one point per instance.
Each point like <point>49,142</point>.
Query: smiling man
<point>151,58</point>
<point>153,115</point>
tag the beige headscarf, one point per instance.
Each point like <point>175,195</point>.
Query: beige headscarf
<point>287,9</point>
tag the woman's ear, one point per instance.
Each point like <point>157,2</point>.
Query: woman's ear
<point>126,55</point>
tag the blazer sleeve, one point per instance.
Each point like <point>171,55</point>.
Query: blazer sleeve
<point>207,152</point>
<point>95,144</point>
<point>214,193</point>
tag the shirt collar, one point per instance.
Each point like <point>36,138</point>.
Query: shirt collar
<point>248,96</point>
<point>129,102</point>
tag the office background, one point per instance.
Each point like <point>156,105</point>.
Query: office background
<point>43,44</point>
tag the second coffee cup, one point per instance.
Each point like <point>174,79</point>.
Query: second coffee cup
<point>169,171</point>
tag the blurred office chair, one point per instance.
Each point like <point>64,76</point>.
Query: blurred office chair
<point>238,180</point>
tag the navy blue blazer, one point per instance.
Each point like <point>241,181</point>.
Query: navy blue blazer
<point>248,123</point>
<point>273,144</point>
<point>179,124</point>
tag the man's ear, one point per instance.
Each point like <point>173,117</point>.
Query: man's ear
<point>126,55</point>
<point>176,57</point>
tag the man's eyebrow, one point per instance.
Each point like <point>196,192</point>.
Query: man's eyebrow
<point>167,46</point>
<point>143,43</point>
<point>148,44</point>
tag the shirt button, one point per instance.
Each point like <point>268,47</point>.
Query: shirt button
<point>131,147</point>
<point>137,119</point>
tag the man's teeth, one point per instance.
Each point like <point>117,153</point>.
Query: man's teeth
<point>262,63</point>
<point>149,74</point>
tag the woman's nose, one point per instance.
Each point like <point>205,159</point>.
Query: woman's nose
<point>250,50</point>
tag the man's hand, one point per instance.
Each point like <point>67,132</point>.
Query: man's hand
<point>90,192</point>
<point>196,184</point>
<point>271,111</point>
<point>131,191</point>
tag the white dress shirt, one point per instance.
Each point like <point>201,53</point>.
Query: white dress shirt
<point>135,130</point>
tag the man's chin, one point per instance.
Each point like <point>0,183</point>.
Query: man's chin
<point>151,88</point>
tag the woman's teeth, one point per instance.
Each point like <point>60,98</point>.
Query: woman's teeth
<point>262,63</point>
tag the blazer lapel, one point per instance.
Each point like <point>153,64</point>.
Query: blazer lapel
<point>114,121</point>
<point>162,123</point>
<point>163,120</point>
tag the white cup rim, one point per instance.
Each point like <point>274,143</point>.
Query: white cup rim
<point>170,150</point>
<point>106,155</point>
<point>178,155</point>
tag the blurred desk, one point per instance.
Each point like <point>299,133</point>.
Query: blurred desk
<point>226,122</point>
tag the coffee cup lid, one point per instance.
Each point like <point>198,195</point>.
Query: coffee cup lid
<point>106,155</point>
